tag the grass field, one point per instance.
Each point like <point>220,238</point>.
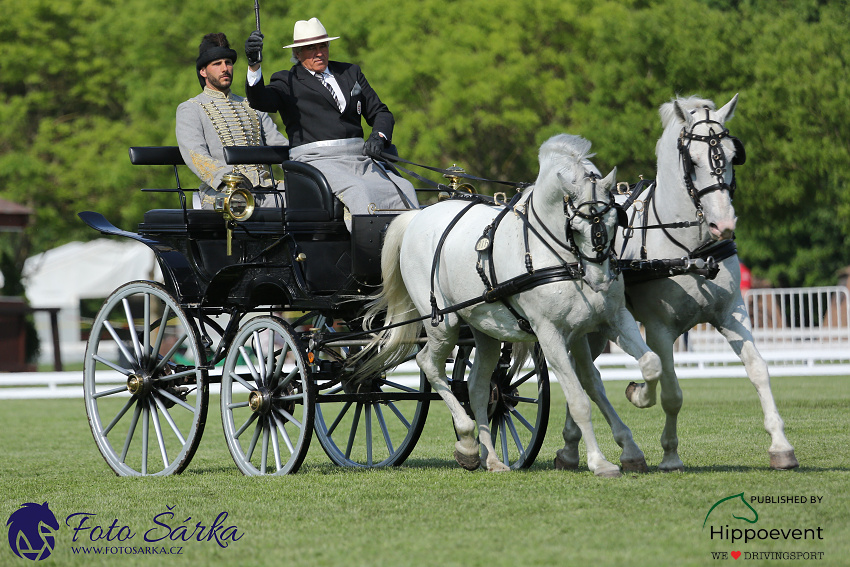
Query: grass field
<point>431,512</point>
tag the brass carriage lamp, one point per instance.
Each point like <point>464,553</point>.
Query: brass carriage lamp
<point>235,203</point>
<point>454,182</point>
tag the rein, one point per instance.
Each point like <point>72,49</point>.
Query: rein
<point>394,160</point>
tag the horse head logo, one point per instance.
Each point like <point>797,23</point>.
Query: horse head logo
<point>733,499</point>
<point>31,530</point>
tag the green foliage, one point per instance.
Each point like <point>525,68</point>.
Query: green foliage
<point>480,84</point>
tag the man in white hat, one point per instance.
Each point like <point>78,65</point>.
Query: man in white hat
<point>216,118</point>
<point>322,104</point>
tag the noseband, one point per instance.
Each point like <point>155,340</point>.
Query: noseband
<point>716,156</point>
<point>601,244</point>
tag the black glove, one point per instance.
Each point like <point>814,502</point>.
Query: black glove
<point>254,48</point>
<point>374,145</point>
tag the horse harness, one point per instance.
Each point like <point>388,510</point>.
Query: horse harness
<point>704,260</point>
<point>603,247</point>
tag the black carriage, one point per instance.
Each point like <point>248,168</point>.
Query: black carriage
<point>264,305</point>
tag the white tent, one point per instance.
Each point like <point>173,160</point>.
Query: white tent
<point>61,277</point>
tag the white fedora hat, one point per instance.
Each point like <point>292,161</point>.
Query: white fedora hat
<point>308,32</point>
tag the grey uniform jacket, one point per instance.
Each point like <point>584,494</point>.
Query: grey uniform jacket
<point>212,120</point>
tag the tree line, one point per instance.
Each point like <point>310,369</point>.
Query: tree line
<point>473,83</point>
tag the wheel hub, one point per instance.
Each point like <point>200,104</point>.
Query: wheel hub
<point>139,385</point>
<point>259,401</point>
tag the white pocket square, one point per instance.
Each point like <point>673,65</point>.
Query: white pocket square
<point>356,90</point>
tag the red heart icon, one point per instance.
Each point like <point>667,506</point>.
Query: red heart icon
<point>735,554</point>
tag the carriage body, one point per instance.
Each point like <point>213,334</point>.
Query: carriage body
<point>262,316</point>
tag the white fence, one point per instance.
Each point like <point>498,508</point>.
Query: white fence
<point>799,331</point>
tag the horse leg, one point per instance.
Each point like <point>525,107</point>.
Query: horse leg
<point>671,399</point>
<point>432,361</point>
<point>631,457</point>
<point>487,352</point>
<point>737,331</point>
<point>578,405</point>
<point>626,335</point>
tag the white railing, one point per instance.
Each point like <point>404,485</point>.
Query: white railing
<point>799,332</point>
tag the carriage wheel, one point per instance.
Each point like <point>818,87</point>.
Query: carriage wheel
<point>518,407</point>
<point>376,423</point>
<point>266,402</point>
<point>132,383</point>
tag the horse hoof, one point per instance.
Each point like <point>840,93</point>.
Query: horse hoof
<point>498,466</point>
<point>564,464</point>
<point>783,460</point>
<point>630,390</point>
<point>608,473</point>
<point>634,465</point>
<point>469,462</point>
<point>678,469</point>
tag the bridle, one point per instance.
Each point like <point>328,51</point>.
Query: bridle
<point>717,158</point>
<point>601,244</point>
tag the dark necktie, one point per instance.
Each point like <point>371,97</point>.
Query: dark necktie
<point>321,77</point>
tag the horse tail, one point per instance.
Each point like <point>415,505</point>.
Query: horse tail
<point>392,305</point>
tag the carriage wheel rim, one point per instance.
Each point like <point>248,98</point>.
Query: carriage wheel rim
<point>146,423</point>
<point>266,401</point>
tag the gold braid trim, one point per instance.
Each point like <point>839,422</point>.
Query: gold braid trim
<point>237,124</point>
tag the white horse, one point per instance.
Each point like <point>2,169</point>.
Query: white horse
<point>557,219</point>
<point>693,202</point>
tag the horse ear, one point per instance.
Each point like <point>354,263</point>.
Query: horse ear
<point>610,180</point>
<point>728,111</point>
<point>684,117</point>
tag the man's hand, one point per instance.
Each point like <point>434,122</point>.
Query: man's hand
<point>254,48</point>
<point>374,145</point>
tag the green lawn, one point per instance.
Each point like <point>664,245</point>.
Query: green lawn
<point>431,512</point>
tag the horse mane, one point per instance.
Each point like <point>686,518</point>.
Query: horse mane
<point>557,149</point>
<point>668,115</point>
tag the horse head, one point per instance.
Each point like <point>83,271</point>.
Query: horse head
<point>697,146</point>
<point>569,182</point>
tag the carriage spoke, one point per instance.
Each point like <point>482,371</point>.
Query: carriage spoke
<point>253,445</point>
<point>118,417</point>
<point>353,431</point>
<point>242,381</point>
<point>131,431</point>
<point>278,368</point>
<point>176,400</point>
<point>275,444</point>
<point>176,375</point>
<point>258,350</point>
<point>264,449</point>
<point>282,428</point>
<point>524,400</point>
<point>158,431</point>
<point>399,386</point>
<point>160,335</point>
<point>113,366</point>
<point>522,420</point>
<point>121,346</point>
<point>171,352</point>
<point>523,380</point>
<point>250,365</point>
<point>504,440</point>
<point>383,425</point>
<point>399,415</point>
<point>515,435</point>
<point>110,392</point>
<point>289,417</point>
<point>369,435</point>
<point>169,419</point>
<point>145,436</point>
<point>131,328</point>
<point>146,328</point>
<point>270,355</point>
<point>342,413</point>
<point>237,405</point>
<point>286,381</point>
<point>245,425</point>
